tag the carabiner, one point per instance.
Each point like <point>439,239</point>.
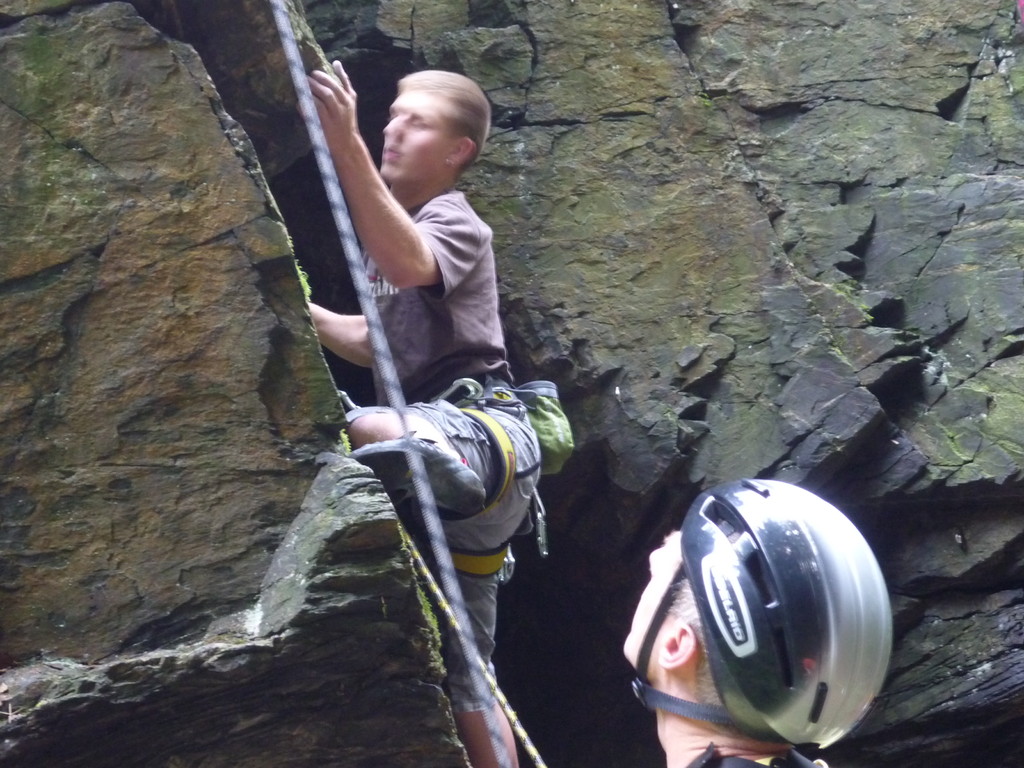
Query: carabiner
<point>474,390</point>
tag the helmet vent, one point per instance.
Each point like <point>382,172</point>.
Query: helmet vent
<point>782,656</point>
<point>819,702</point>
<point>755,567</point>
<point>727,529</point>
<point>769,600</point>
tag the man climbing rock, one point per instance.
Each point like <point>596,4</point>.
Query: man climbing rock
<point>431,268</point>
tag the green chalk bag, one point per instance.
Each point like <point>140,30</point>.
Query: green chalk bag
<point>549,421</point>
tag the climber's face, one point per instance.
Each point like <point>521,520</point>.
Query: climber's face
<point>422,153</point>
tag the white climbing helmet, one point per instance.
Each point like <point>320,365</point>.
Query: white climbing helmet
<point>796,614</point>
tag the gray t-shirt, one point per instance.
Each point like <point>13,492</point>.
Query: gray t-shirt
<point>444,332</point>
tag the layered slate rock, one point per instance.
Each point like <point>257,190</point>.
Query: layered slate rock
<point>333,664</point>
<point>184,581</point>
<point>163,386</point>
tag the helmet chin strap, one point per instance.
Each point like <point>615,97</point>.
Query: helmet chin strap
<point>655,699</point>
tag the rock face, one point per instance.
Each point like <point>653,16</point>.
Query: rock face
<point>164,402</point>
<point>161,381</point>
<point>318,671</point>
<point>775,240</point>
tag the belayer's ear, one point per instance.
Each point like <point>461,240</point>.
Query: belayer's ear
<point>680,646</point>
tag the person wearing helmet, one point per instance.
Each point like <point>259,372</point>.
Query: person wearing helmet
<point>765,625</point>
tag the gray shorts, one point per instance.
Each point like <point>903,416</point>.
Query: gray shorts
<point>480,596</point>
<point>482,532</point>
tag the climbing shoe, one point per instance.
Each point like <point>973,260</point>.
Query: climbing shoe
<point>456,487</point>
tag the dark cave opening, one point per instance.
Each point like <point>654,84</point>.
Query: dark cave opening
<point>559,660</point>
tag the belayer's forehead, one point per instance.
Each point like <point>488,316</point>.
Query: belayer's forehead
<point>672,545</point>
<point>669,554</point>
<point>672,540</point>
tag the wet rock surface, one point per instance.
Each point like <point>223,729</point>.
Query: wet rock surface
<point>745,240</point>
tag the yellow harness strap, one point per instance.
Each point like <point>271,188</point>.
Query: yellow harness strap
<point>505,449</point>
<point>490,562</point>
<point>479,563</point>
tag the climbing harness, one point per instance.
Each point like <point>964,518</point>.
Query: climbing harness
<point>500,560</point>
<point>389,377</point>
<point>505,451</point>
<point>502,563</point>
<point>543,410</point>
<point>477,563</point>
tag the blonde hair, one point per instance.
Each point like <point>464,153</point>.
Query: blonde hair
<point>469,110</point>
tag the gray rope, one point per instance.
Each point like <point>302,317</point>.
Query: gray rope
<point>386,368</point>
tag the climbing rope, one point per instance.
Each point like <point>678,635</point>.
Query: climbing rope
<point>453,622</point>
<point>393,392</point>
